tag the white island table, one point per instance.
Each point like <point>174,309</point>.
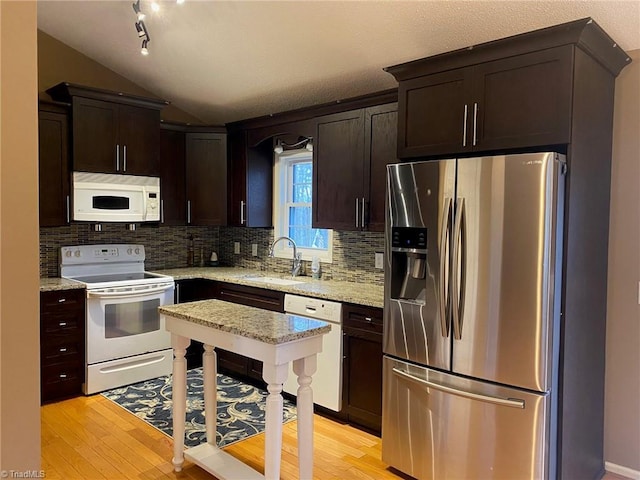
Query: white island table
<point>273,338</point>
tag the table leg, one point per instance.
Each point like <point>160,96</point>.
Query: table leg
<point>274,376</point>
<point>179,397</point>
<point>304,368</point>
<point>210,374</point>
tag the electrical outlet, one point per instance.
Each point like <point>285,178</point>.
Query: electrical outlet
<point>379,260</point>
<point>236,247</point>
<point>254,249</point>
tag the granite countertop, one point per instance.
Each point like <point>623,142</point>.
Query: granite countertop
<point>263,325</point>
<point>349,292</point>
<point>52,284</point>
<point>339,291</point>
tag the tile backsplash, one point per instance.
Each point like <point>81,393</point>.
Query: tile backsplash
<point>353,254</point>
<point>166,247</point>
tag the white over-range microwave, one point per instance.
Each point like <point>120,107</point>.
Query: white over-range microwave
<point>103,197</point>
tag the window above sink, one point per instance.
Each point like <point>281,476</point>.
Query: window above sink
<point>293,183</point>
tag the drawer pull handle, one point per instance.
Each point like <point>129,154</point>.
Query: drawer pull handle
<point>61,300</point>
<point>63,349</point>
<point>368,319</point>
<point>62,324</point>
<point>63,375</point>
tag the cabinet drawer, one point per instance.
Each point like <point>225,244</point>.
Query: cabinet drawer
<point>254,297</point>
<point>61,381</point>
<point>61,349</point>
<point>62,323</point>
<point>62,300</point>
<point>362,318</point>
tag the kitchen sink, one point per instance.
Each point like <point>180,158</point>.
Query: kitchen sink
<point>273,280</point>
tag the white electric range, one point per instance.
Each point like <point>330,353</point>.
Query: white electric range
<point>126,341</point>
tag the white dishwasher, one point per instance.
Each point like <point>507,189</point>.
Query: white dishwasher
<point>327,381</point>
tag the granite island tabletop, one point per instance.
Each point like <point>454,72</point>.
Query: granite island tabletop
<point>262,325</point>
<point>350,292</point>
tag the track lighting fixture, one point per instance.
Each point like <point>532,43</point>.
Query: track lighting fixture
<point>142,31</point>
<point>303,142</point>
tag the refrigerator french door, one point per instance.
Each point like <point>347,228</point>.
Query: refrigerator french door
<point>471,316</point>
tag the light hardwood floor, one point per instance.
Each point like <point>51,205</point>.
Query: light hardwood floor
<point>93,438</point>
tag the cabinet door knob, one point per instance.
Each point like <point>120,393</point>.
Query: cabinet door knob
<point>368,319</point>
<point>61,300</point>
<point>62,349</point>
<point>62,324</point>
<point>63,375</point>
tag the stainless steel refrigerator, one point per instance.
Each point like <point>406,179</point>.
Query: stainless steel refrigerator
<point>471,316</point>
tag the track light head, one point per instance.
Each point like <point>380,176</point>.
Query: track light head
<point>136,8</point>
<point>278,148</point>
<point>144,50</point>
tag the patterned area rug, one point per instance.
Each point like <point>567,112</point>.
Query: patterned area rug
<point>241,407</point>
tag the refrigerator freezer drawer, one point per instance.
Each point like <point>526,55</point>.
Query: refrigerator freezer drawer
<point>440,426</point>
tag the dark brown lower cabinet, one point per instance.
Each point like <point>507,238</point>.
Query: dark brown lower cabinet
<point>362,366</point>
<point>62,327</point>
<point>200,289</point>
<point>253,297</point>
<point>191,290</point>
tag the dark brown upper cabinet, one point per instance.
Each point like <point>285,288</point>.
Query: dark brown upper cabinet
<point>53,164</point>
<point>206,178</point>
<point>510,94</point>
<point>521,101</point>
<point>250,181</point>
<point>251,170</point>
<point>350,153</point>
<point>112,132</point>
<point>172,177</point>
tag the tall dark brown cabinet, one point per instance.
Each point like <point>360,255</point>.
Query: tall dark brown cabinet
<point>351,151</point>
<point>53,164</point>
<point>551,89</point>
<point>173,201</point>
<point>206,178</point>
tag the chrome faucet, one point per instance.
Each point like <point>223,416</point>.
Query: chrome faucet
<point>297,257</point>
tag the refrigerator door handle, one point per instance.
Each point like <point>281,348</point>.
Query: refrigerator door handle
<point>458,278</point>
<point>505,402</point>
<point>444,230</point>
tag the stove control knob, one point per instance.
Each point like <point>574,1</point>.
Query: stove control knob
<point>77,253</point>
<point>67,253</point>
<point>129,251</point>
<point>137,251</point>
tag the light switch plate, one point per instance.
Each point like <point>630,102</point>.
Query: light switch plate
<point>379,260</point>
<point>254,249</point>
<point>236,247</point>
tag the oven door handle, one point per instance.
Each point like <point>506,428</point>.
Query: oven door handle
<point>128,293</point>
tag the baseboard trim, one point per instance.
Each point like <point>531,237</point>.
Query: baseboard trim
<point>620,470</point>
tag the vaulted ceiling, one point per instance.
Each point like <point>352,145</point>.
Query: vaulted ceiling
<point>223,61</point>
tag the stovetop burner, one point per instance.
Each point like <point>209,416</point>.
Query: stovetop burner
<point>115,277</point>
<point>108,266</point>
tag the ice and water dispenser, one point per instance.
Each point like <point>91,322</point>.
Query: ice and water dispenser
<point>408,263</point>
